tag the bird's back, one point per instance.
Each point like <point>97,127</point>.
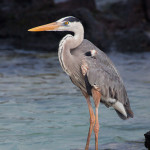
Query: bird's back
<point>102,74</point>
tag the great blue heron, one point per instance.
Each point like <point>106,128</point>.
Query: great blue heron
<point>90,70</point>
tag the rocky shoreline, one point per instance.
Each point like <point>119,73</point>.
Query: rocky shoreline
<point>121,26</point>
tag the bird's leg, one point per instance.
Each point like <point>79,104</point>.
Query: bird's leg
<point>92,120</point>
<point>96,96</point>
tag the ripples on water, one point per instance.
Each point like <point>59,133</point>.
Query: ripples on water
<point>41,109</point>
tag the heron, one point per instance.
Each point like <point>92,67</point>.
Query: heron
<point>91,70</point>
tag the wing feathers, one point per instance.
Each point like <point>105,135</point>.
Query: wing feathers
<point>101,73</point>
<point>119,107</point>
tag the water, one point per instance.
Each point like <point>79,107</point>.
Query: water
<point>41,109</point>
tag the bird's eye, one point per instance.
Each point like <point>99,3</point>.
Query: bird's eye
<point>67,22</point>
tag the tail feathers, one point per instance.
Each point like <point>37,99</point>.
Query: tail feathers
<point>121,115</point>
<point>129,112</point>
<point>124,112</point>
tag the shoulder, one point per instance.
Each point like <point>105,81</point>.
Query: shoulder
<point>84,47</point>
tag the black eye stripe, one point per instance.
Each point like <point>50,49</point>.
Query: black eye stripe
<point>71,19</point>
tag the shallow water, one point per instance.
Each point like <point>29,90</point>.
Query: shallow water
<point>41,109</point>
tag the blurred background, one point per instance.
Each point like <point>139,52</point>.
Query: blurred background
<point>39,106</point>
<point>120,24</point>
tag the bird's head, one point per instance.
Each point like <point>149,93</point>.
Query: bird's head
<point>69,23</point>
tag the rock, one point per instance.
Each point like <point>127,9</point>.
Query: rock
<point>147,140</point>
<point>89,4</point>
<point>15,28</point>
<point>74,4</point>
<point>125,27</point>
<point>132,40</point>
<point>146,9</point>
<point>122,26</point>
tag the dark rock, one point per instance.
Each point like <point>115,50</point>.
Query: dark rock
<point>147,140</point>
<point>146,9</point>
<point>74,4</point>
<point>16,26</point>
<point>132,40</point>
<point>122,26</point>
<point>125,27</point>
<point>90,4</point>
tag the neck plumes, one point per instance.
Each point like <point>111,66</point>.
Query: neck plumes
<point>66,44</point>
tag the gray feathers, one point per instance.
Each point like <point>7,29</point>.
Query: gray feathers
<point>102,75</point>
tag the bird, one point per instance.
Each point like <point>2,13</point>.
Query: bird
<point>91,70</point>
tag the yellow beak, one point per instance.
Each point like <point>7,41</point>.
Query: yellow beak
<point>46,27</point>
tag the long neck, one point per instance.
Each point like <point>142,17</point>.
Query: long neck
<point>66,44</point>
